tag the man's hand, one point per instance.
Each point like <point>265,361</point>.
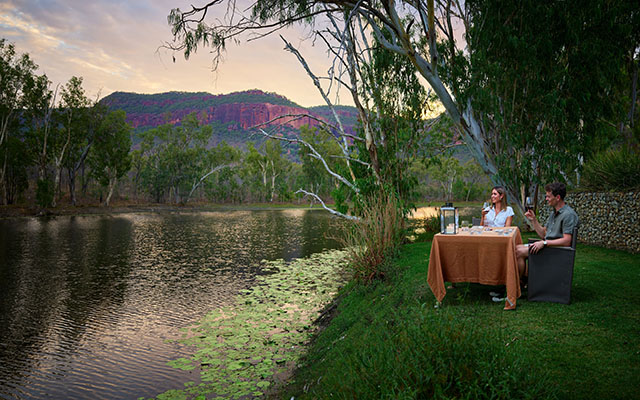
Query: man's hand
<point>531,216</point>
<point>536,246</point>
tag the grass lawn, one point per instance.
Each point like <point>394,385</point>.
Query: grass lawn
<point>388,340</point>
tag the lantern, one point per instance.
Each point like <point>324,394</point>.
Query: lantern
<point>448,219</point>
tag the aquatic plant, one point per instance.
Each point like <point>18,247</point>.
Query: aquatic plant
<point>243,349</point>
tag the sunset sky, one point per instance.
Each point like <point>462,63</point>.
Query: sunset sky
<point>114,46</point>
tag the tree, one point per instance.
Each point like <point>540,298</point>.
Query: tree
<point>445,173</point>
<point>221,182</point>
<point>423,34</point>
<point>16,73</point>
<point>16,161</point>
<point>214,160</point>
<point>38,114</point>
<point>20,90</point>
<point>87,122</point>
<point>175,160</point>
<point>265,166</point>
<point>110,160</point>
<point>72,129</point>
<point>544,90</point>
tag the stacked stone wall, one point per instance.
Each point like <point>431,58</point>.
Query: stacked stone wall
<point>609,220</point>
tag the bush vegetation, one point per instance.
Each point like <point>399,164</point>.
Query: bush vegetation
<point>613,170</point>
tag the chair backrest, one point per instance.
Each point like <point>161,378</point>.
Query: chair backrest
<point>574,237</point>
<point>476,221</point>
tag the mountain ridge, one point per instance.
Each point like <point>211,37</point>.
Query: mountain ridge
<point>231,115</point>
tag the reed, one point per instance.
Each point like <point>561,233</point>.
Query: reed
<point>374,240</point>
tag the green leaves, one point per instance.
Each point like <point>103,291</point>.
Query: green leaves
<point>540,78</point>
<point>240,348</point>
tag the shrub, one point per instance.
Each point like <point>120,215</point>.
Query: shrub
<point>613,170</point>
<point>432,224</point>
<point>375,239</point>
<point>44,193</point>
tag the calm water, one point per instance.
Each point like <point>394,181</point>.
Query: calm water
<point>89,306</point>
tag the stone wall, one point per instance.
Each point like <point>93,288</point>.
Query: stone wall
<point>609,220</point>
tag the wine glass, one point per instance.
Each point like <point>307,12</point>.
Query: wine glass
<point>528,204</point>
<point>485,206</point>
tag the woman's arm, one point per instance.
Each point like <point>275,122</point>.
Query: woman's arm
<point>508,221</point>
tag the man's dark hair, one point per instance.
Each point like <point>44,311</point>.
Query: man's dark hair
<point>556,188</point>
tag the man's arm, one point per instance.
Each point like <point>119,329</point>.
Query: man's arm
<point>565,240</point>
<point>540,230</point>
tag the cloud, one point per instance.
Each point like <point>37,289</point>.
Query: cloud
<point>115,46</point>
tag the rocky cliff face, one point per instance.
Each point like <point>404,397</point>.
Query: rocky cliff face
<point>236,111</point>
<point>239,115</point>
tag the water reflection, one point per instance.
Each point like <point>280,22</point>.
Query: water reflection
<point>88,304</point>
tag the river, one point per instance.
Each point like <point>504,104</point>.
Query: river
<point>91,306</point>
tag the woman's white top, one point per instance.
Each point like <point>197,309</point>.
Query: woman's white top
<point>493,220</point>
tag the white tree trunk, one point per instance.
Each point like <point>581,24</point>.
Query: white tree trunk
<point>112,185</point>
<point>461,114</point>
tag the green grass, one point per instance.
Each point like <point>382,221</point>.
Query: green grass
<point>388,340</point>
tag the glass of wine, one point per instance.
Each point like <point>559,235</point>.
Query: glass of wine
<point>485,206</point>
<point>528,204</point>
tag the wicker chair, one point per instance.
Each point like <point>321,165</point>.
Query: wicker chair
<point>551,273</point>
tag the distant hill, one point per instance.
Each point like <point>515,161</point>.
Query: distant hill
<point>231,115</point>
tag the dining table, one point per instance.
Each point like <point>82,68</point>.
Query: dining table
<point>478,254</point>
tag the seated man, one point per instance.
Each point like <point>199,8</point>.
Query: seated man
<point>558,230</point>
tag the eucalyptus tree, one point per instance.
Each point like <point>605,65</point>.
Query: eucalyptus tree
<point>15,168</point>
<point>219,179</point>
<point>73,127</point>
<point>148,164</point>
<point>214,160</point>
<point>265,165</point>
<point>546,91</point>
<point>175,158</point>
<point>109,159</point>
<point>23,96</point>
<point>17,72</point>
<point>87,123</point>
<point>446,42</point>
<point>389,98</point>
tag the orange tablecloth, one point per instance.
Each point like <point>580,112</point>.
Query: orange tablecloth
<point>480,255</point>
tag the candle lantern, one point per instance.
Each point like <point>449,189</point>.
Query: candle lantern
<point>448,219</point>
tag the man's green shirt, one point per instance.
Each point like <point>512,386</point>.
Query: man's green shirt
<point>561,222</point>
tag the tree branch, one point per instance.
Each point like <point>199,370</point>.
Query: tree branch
<point>317,156</point>
<point>197,184</point>
<point>331,210</point>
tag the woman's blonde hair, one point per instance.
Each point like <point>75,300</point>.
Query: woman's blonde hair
<point>503,192</point>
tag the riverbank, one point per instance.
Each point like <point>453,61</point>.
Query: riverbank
<point>388,340</point>
<point>119,207</point>
<point>423,211</point>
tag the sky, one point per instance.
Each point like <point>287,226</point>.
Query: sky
<point>114,45</point>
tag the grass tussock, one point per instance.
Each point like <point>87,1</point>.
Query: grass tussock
<point>387,341</point>
<point>616,170</point>
<point>374,240</point>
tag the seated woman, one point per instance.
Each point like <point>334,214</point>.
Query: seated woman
<point>499,214</point>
